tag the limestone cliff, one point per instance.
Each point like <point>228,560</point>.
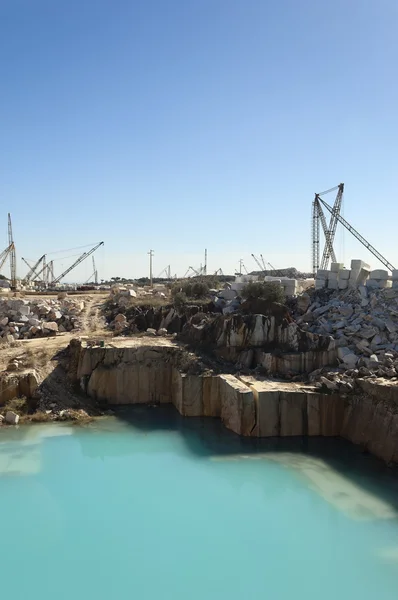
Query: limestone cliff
<point>247,406</point>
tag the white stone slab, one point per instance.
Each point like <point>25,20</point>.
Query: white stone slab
<point>357,265</point>
<point>333,284</point>
<point>344,274</point>
<point>379,274</point>
<point>336,267</point>
<point>322,274</point>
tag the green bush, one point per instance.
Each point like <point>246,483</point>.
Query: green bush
<point>191,289</point>
<point>267,290</point>
<point>179,299</point>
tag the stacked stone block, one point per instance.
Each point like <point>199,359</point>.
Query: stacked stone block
<point>339,278</point>
<point>378,279</point>
<point>359,273</point>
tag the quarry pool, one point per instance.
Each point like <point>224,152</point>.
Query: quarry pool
<point>153,506</point>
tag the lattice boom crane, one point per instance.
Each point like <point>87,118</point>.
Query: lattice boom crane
<point>359,237</point>
<point>13,258</point>
<point>318,218</point>
<point>77,262</point>
<point>32,270</point>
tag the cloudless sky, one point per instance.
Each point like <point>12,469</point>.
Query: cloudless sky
<point>180,125</point>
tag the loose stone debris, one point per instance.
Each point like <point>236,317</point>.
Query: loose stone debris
<point>363,323</point>
<point>26,319</point>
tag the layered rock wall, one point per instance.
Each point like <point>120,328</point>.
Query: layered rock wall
<point>246,406</point>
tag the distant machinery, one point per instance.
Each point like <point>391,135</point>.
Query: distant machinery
<point>358,236</point>
<point>81,258</point>
<point>43,272</point>
<point>94,275</point>
<point>167,272</point>
<point>318,217</point>
<point>13,258</point>
<point>4,255</point>
<point>9,252</point>
<point>258,263</point>
<point>32,273</point>
<point>195,272</point>
<point>50,272</point>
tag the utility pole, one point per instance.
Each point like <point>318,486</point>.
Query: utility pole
<point>151,253</point>
<point>205,267</point>
<point>240,266</point>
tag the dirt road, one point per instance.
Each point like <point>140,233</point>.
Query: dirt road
<point>37,352</point>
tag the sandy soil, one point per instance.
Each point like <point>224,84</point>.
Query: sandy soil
<point>40,350</point>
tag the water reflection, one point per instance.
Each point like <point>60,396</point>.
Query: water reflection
<point>357,484</point>
<point>20,447</point>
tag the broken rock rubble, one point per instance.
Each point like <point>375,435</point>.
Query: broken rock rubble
<point>364,324</point>
<point>25,319</point>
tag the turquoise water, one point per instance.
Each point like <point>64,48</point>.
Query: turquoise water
<point>155,507</point>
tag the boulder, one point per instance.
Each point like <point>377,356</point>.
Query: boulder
<point>141,322</point>
<point>34,322</point>
<point>120,318</point>
<point>56,315</point>
<point>51,326</point>
<point>303,303</point>
<point>12,418</point>
<point>331,385</point>
<point>349,358</point>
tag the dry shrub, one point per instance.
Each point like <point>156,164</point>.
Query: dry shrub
<point>17,405</point>
<point>41,417</point>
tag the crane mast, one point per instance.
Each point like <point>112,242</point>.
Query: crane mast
<point>317,219</point>
<point>328,251</point>
<point>13,258</point>
<point>95,273</point>
<point>315,235</point>
<point>50,272</point>
<point>328,240</point>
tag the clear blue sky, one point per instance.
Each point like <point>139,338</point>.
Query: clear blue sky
<point>183,124</point>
